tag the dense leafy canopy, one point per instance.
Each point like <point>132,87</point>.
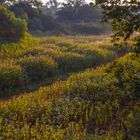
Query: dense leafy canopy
<point>123,15</point>
<point>10,26</point>
<point>70,17</point>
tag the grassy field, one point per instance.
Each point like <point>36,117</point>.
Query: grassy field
<point>98,98</point>
<point>32,62</point>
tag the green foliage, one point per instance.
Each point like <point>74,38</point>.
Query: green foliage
<point>100,103</point>
<point>124,17</point>
<point>11,76</point>
<point>9,50</point>
<point>136,46</point>
<point>11,28</point>
<point>70,62</point>
<point>51,19</point>
<point>44,59</point>
<point>39,68</point>
<point>78,12</point>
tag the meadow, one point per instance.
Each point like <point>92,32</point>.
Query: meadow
<point>31,62</point>
<point>93,93</point>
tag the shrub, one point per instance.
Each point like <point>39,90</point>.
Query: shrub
<point>11,76</point>
<point>39,68</point>
<point>11,28</point>
<point>19,48</point>
<point>89,104</point>
<point>71,62</point>
<point>136,46</point>
<point>34,51</point>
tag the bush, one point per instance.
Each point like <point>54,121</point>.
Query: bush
<point>11,28</point>
<point>39,68</point>
<point>72,62</point>
<point>87,105</point>
<point>11,76</point>
<point>136,46</point>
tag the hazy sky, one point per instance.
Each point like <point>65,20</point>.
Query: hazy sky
<point>44,1</point>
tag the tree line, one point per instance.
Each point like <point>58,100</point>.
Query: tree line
<point>123,16</point>
<point>52,15</point>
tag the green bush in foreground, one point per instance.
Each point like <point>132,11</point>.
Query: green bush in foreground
<point>10,50</point>
<point>39,68</point>
<point>11,76</point>
<point>101,104</point>
<point>11,28</point>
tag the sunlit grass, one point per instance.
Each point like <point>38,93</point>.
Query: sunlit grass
<point>95,104</point>
<point>40,57</point>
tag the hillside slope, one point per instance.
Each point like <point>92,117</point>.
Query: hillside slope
<point>100,104</point>
<point>31,62</point>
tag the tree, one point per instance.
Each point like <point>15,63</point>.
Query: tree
<point>124,17</point>
<point>71,9</point>
<point>11,28</point>
<point>74,5</point>
<point>7,2</point>
<point>33,3</point>
<point>53,4</point>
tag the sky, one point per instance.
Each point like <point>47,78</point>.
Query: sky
<point>44,1</point>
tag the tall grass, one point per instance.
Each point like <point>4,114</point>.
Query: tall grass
<point>11,76</point>
<point>101,103</point>
<point>43,58</point>
<point>39,68</point>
